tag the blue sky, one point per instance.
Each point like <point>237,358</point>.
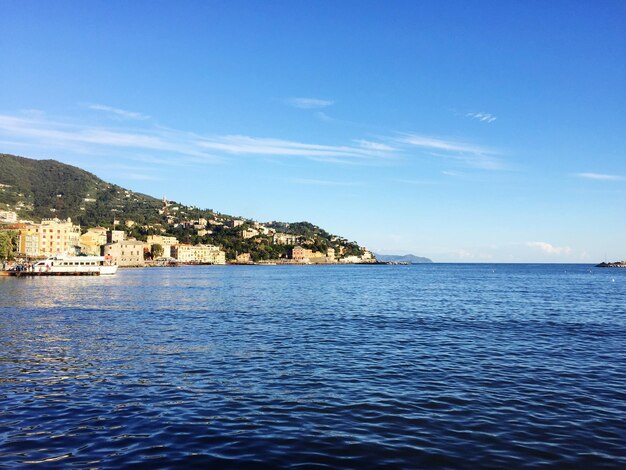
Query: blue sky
<point>462,131</point>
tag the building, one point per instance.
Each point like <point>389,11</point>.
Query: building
<point>249,233</point>
<point>50,237</point>
<point>166,242</point>
<point>284,239</point>
<point>244,258</point>
<point>91,242</point>
<point>29,245</point>
<point>125,252</point>
<point>114,236</point>
<point>301,254</point>
<point>206,254</point>
<point>8,217</point>
<point>236,223</point>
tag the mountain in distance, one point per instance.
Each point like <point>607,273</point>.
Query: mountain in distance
<point>38,189</point>
<point>412,259</point>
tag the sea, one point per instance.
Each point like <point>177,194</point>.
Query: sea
<point>380,366</point>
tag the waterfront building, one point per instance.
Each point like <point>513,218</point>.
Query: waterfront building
<point>210,254</point>
<point>50,237</point>
<point>301,254</point>
<point>125,252</point>
<point>166,242</point>
<point>244,258</point>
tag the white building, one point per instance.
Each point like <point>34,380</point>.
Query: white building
<point>209,254</point>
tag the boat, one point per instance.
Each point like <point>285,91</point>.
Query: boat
<point>63,265</point>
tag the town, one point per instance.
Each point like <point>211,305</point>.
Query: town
<point>55,236</point>
<point>48,208</point>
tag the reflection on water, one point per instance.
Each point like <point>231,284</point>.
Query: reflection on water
<point>340,366</point>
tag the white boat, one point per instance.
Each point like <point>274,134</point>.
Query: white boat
<point>77,265</point>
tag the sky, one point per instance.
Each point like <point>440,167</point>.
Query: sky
<point>464,131</point>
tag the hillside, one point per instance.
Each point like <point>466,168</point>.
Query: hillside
<point>37,189</point>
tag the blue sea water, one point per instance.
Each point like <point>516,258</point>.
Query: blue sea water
<point>424,366</point>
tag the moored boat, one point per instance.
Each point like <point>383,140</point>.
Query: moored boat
<point>68,265</point>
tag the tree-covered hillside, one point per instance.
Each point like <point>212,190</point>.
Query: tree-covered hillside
<point>38,189</point>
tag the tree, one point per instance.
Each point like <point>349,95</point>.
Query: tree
<point>8,244</point>
<point>156,250</point>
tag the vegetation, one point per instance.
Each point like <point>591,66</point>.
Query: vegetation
<point>156,251</point>
<point>8,244</point>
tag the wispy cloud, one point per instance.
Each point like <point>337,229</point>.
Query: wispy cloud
<point>600,177</point>
<point>91,139</point>
<point>441,144</point>
<point>482,117</point>
<point>119,113</point>
<point>137,140</point>
<point>469,154</point>
<point>171,142</point>
<point>309,103</point>
<point>368,144</point>
<point>240,144</point>
<point>549,249</point>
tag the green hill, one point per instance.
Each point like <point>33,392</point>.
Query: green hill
<point>39,189</point>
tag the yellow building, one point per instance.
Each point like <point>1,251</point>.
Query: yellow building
<point>92,241</point>
<point>50,237</point>
<point>199,254</point>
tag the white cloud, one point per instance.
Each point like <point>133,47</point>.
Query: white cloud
<point>92,139</point>
<point>240,144</point>
<point>549,249</point>
<point>600,177</point>
<point>440,144</point>
<point>309,103</point>
<point>469,154</point>
<point>120,113</point>
<point>368,144</point>
<point>482,117</point>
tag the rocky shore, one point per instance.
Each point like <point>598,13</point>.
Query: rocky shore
<point>617,264</point>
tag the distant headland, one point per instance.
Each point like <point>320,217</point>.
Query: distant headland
<point>617,264</point>
<point>411,259</point>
